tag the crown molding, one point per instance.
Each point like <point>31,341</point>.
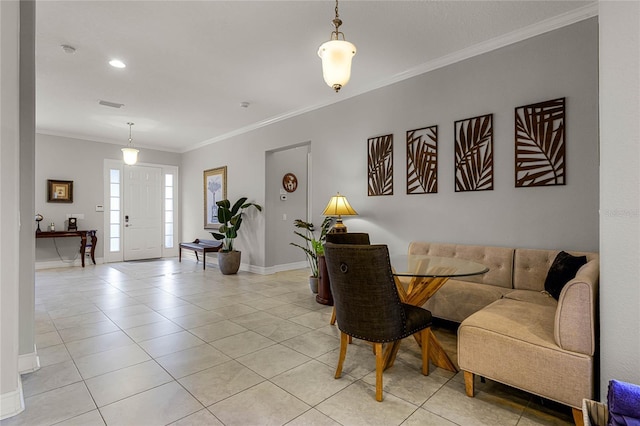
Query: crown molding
<point>524,33</point>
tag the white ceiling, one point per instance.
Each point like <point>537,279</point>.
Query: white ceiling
<point>190,64</point>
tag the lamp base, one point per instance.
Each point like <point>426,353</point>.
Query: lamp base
<point>338,228</point>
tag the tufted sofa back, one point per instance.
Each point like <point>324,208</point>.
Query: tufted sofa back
<point>531,266</point>
<point>499,260</point>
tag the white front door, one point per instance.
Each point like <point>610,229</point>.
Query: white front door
<point>142,212</point>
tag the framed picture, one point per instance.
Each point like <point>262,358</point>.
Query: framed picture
<point>60,191</point>
<point>215,189</point>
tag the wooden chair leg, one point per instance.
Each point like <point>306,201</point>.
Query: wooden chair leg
<point>578,419</point>
<point>468,383</point>
<point>332,321</point>
<point>379,369</point>
<point>344,341</point>
<point>425,351</point>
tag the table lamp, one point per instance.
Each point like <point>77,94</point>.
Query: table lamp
<point>339,206</point>
<point>39,218</point>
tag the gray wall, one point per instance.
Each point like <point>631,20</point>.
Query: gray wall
<point>562,63</point>
<point>619,194</point>
<point>82,162</point>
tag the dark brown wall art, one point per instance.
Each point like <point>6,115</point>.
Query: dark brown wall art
<point>422,160</point>
<point>540,147</point>
<point>380,162</point>
<point>474,154</point>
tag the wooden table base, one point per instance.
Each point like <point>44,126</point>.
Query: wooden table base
<point>420,290</point>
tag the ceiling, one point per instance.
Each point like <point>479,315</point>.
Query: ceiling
<point>190,64</point>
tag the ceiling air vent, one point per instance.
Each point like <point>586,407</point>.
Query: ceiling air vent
<point>111,104</point>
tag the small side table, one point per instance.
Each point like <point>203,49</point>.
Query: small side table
<point>83,240</point>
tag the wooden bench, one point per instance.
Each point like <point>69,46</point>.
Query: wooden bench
<point>200,246</point>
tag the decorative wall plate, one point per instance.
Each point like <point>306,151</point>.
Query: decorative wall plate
<point>290,182</point>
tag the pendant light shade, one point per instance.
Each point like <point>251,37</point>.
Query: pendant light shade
<point>130,154</point>
<point>336,57</point>
<point>336,62</point>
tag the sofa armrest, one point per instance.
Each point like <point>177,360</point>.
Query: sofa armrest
<point>575,320</point>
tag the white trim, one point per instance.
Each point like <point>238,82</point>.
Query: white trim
<point>554,23</point>
<point>12,403</point>
<point>262,270</point>
<point>175,171</point>
<point>110,256</point>
<point>28,363</point>
<point>212,261</point>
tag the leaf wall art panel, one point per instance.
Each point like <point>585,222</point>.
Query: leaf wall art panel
<point>380,165</point>
<point>474,154</point>
<point>422,160</point>
<point>540,144</point>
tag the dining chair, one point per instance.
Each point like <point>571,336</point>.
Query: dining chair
<point>343,238</point>
<point>368,306</point>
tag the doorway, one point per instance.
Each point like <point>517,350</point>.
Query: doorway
<point>283,204</point>
<point>141,211</point>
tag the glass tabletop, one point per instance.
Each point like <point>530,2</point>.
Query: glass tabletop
<point>417,265</point>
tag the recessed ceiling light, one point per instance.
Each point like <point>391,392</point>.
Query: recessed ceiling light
<point>117,63</point>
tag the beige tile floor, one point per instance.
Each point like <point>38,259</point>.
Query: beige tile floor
<point>162,342</point>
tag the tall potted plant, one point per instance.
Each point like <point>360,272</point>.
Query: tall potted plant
<point>313,247</point>
<point>230,218</point>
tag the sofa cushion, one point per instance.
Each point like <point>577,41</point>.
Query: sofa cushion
<point>562,270</point>
<point>457,299</point>
<point>530,296</point>
<point>512,342</point>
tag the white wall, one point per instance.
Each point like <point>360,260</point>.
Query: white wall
<point>11,400</point>
<point>81,161</point>
<point>28,360</point>
<point>620,192</point>
<point>563,63</point>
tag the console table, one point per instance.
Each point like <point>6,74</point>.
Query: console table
<point>83,240</point>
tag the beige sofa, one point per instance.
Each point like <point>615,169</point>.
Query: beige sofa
<point>514,333</point>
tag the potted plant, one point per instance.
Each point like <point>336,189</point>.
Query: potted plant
<point>230,218</point>
<point>313,247</point>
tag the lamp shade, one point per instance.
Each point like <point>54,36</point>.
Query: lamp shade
<point>339,206</point>
<point>336,58</point>
<point>130,155</point>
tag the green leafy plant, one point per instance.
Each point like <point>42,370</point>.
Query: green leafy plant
<point>313,246</point>
<point>231,219</point>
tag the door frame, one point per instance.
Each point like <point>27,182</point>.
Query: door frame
<point>118,256</point>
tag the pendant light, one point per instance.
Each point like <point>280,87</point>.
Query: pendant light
<point>130,154</point>
<point>336,57</point>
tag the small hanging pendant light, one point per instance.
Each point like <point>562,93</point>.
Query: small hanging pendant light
<point>130,154</point>
<point>336,57</point>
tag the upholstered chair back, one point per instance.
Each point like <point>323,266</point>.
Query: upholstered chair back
<point>348,238</point>
<point>367,303</point>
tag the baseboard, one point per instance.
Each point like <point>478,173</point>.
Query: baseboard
<point>12,403</point>
<point>212,262</point>
<point>60,264</point>
<point>28,363</point>
<point>277,268</point>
